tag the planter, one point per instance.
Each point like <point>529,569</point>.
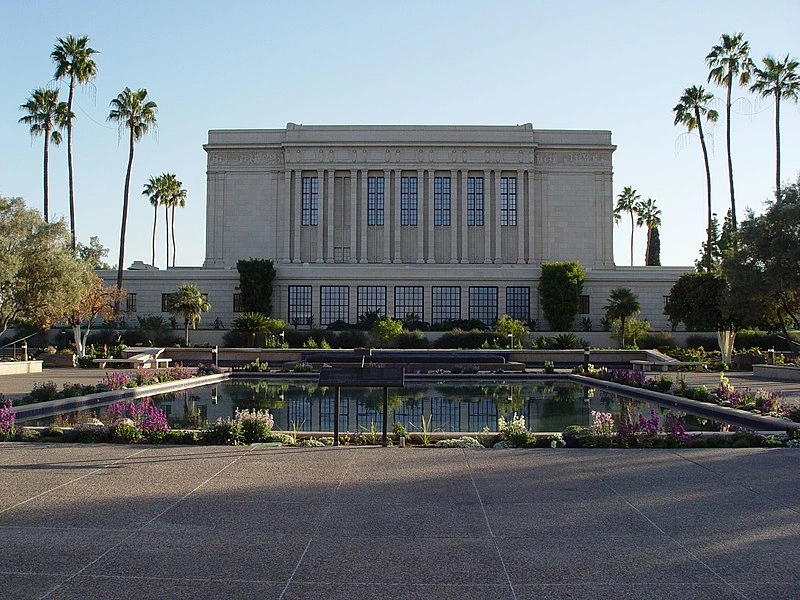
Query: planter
<point>745,362</point>
<point>59,360</point>
<point>20,366</point>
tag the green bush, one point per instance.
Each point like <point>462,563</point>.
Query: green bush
<point>225,432</point>
<point>125,432</point>
<point>560,287</point>
<point>469,340</point>
<point>411,339</point>
<point>656,340</point>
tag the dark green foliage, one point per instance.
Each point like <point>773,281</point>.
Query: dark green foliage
<point>560,289</point>
<point>696,300</point>
<point>411,339</point>
<point>653,258</point>
<point>125,432</point>
<point>462,324</point>
<point>235,339</point>
<point>255,284</point>
<point>224,433</point>
<point>656,340</point>
<point>468,340</point>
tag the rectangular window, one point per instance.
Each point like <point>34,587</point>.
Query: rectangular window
<point>237,303</point>
<point>310,200</point>
<point>166,302</point>
<point>666,300</point>
<point>375,201</point>
<point>408,201</point>
<point>508,201</point>
<point>341,254</point>
<point>441,201</point>
<point>583,309</point>
<point>518,303</point>
<point>483,304</point>
<point>445,304</point>
<point>408,301</point>
<point>334,304</point>
<point>130,303</point>
<point>300,305</point>
<point>371,299</point>
<point>474,201</point>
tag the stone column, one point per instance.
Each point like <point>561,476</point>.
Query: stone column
<point>488,216</point>
<point>353,215</point>
<point>422,215</point>
<point>398,174</point>
<point>298,212</point>
<point>387,215</point>
<point>320,215</point>
<point>362,255</point>
<point>463,218</point>
<point>531,212</point>
<point>284,212</point>
<point>521,211</point>
<point>330,216</point>
<point>429,257</point>
<point>456,205</point>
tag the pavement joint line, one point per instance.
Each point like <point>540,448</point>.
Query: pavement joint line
<point>71,481</point>
<point>141,528</point>
<point>489,525</point>
<point>759,494</point>
<point>665,534</point>
<point>317,525</point>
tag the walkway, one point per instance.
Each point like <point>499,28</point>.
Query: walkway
<point>115,522</point>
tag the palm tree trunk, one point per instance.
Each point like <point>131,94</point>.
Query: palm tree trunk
<point>155,221</point>
<point>186,332</point>
<point>622,331</point>
<point>166,237</point>
<point>647,248</point>
<point>46,169</point>
<point>730,160</point>
<point>708,186</point>
<point>69,162</point>
<point>173,235</point>
<point>124,226</point>
<point>777,144</point>
<point>631,238</point>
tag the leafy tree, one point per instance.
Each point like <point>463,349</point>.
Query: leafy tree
<point>45,116</point>
<point>560,288</point>
<point>622,305</point>
<point>255,284</point>
<point>649,216</point>
<point>254,323</point>
<point>729,62</point>
<point>73,58</point>
<point>689,111</point>
<point>722,245</point>
<point>779,79</point>
<point>189,303</point>
<point>627,202</point>
<point>387,329</point>
<point>635,329</point>
<point>135,112</point>
<point>39,275</point>
<point>93,254</point>
<point>763,273</point>
<point>96,300</point>
<point>507,325</point>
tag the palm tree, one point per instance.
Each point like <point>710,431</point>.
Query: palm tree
<point>73,58</point>
<point>45,115</point>
<point>153,189</point>
<point>627,201</point>
<point>189,303</point>
<point>137,113</point>
<point>778,78</point>
<point>177,199</point>
<point>693,105</point>
<point>622,305</point>
<point>649,215</point>
<point>730,61</point>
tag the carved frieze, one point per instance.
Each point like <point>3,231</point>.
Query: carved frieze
<point>245,158</point>
<point>573,159</point>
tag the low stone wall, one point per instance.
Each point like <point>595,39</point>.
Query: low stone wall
<point>776,372</point>
<point>20,366</point>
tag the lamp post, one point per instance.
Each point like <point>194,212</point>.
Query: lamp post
<point>511,340</point>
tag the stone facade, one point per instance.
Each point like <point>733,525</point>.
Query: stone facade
<point>442,221</point>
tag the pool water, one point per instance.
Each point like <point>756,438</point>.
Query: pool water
<point>445,406</point>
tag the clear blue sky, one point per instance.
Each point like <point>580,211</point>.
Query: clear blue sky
<point>619,66</point>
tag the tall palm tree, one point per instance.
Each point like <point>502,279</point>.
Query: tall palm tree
<point>730,61</point>
<point>649,216</point>
<point>690,110</point>
<point>177,200</point>
<point>46,116</point>
<point>135,112</point>
<point>73,58</point>
<point>622,305</point>
<point>627,201</point>
<point>190,303</point>
<point>154,189</point>
<point>778,78</point>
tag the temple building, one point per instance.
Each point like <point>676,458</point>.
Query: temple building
<point>443,222</point>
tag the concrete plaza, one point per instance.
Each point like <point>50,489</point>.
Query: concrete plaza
<point>115,521</point>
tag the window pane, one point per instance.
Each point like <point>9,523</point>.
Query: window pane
<point>483,304</point>
<point>445,304</point>
<point>408,301</point>
<point>334,304</point>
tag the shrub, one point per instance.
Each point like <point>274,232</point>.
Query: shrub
<point>560,287</point>
<point>514,432</point>
<point>91,432</point>
<point>656,340</point>
<point>470,340</point>
<point>462,442</point>
<point>6,419</point>
<point>411,339</point>
<point>125,431</point>
<point>224,432</point>
<point>256,425</point>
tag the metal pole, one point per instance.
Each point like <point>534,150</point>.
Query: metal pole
<point>586,359</point>
<point>24,351</point>
<point>336,416</point>
<point>385,416</point>
<point>215,355</point>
